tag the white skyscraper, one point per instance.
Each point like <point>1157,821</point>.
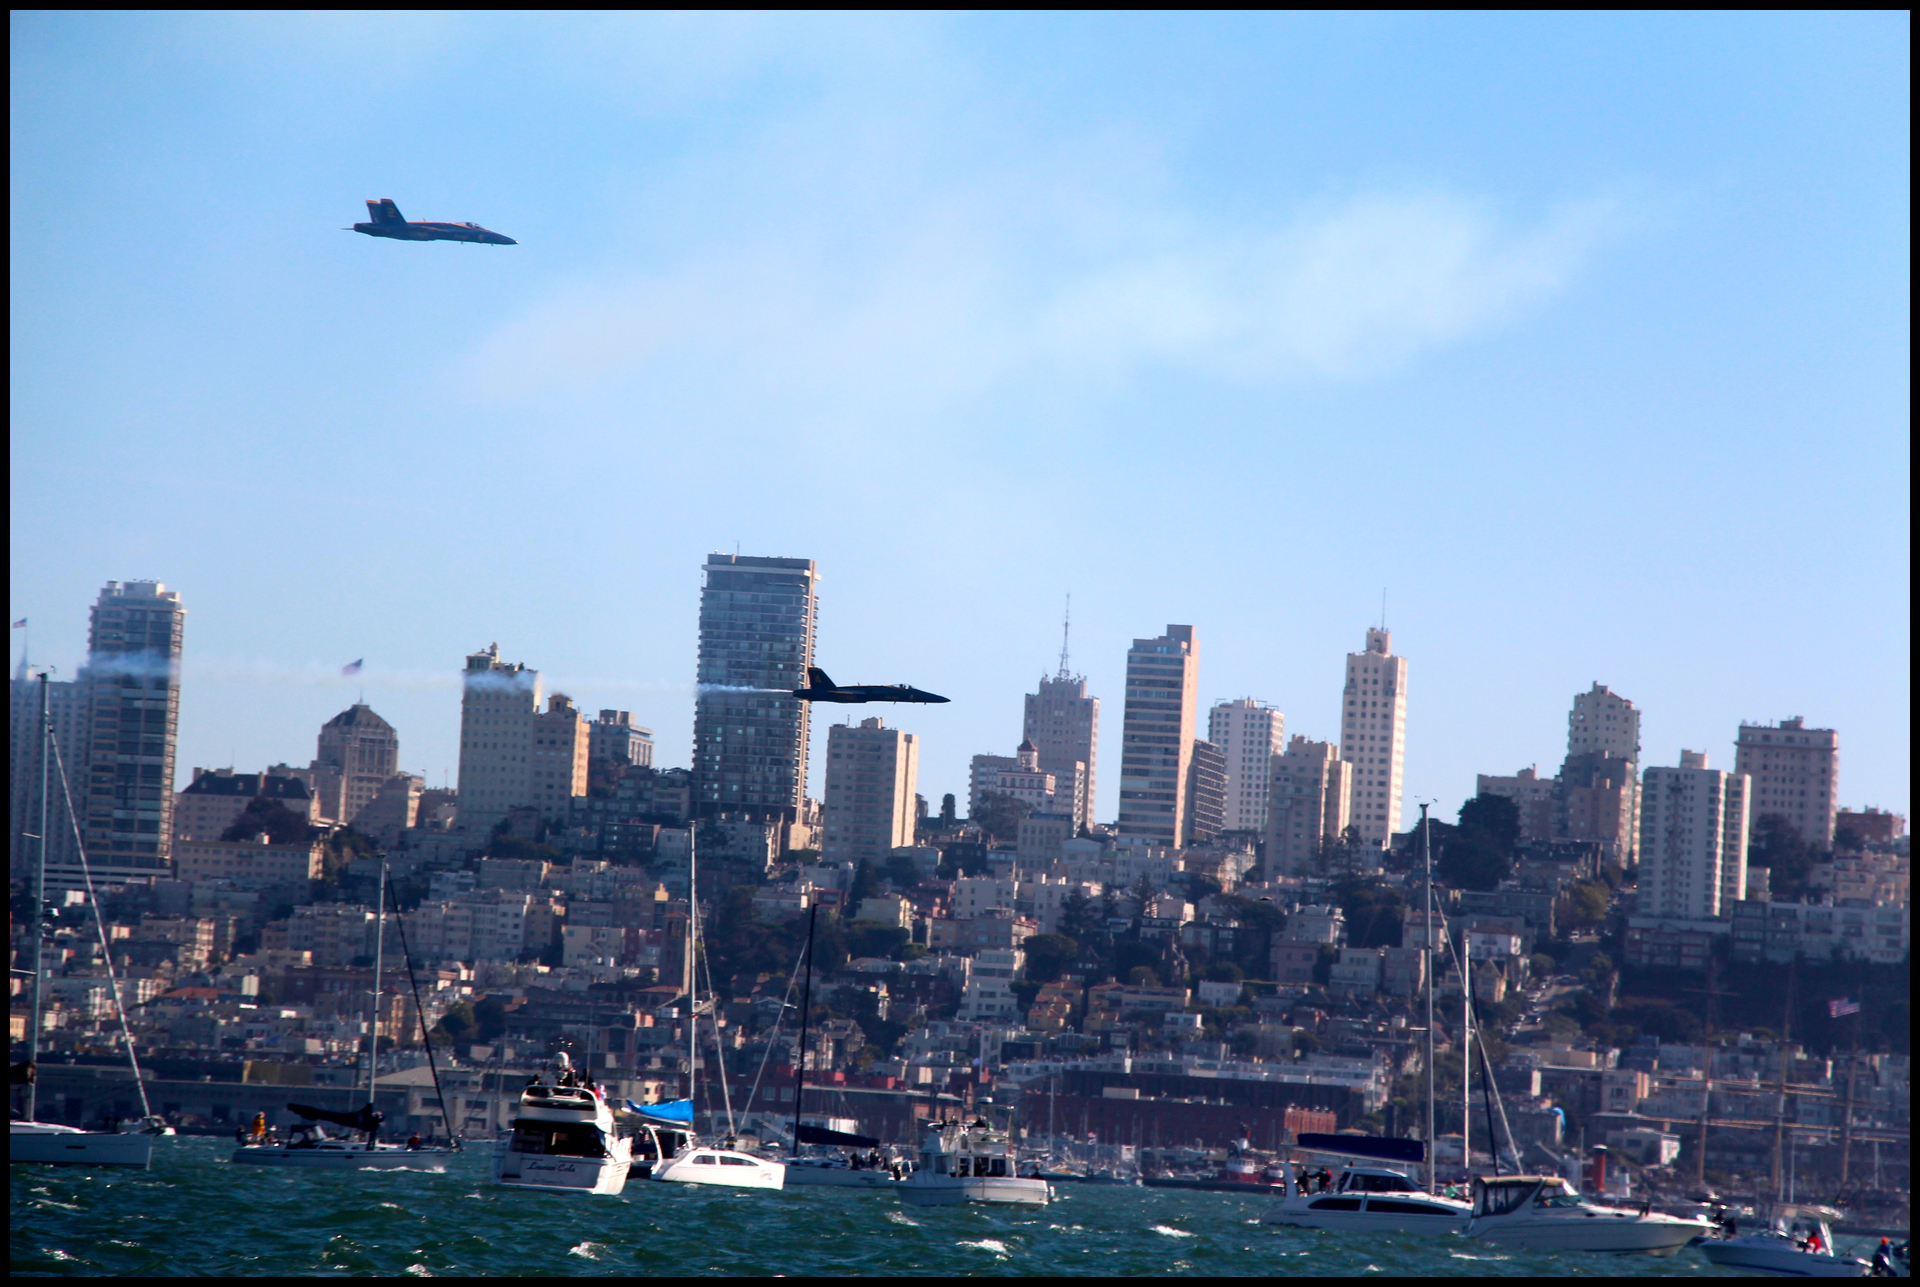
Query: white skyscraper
<point>1796,774</point>
<point>1693,839</point>
<point>1249,734</point>
<point>1373,730</point>
<point>512,755</point>
<point>1603,723</point>
<point>872,771</point>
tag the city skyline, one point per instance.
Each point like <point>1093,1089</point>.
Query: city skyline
<point>1512,317</point>
<point>410,691</point>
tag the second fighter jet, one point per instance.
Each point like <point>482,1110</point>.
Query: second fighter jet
<point>820,688</point>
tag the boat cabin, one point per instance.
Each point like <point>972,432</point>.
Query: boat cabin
<point>966,1151</point>
<point>1506,1194</point>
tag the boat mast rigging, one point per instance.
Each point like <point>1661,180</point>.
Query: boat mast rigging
<point>806,1011</point>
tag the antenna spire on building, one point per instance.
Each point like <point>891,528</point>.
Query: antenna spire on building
<point>1066,626</point>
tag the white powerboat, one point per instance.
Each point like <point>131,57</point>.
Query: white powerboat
<point>1543,1213</point>
<point>1362,1198</point>
<point>564,1139</point>
<point>698,1163</point>
<point>71,1146</point>
<point>961,1163</point>
<point>309,1147</point>
<point>1800,1243</point>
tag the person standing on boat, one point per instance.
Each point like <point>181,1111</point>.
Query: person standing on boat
<point>259,1131</point>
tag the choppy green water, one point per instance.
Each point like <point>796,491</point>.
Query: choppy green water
<point>196,1213</point>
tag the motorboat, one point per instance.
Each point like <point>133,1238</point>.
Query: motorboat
<point>310,1146</point>
<point>1367,1194</point>
<point>969,1163</point>
<point>1799,1243</point>
<point>52,1142</point>
<point>697,1163</point>
<point>1543,1213</point>
<point>563,1139</point>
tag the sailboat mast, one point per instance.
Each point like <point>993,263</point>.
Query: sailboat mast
<point>1466,1056</point>
<point>806,1010</point>
<point>1426,845</point>
<point>379,952</point>
<point>39,902</point>
<point>693,914</point>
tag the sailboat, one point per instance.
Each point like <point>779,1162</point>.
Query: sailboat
<point>1370,1194</point>
<point>29,1139</point>
<point>848,1171</point>
<point>684,1159</point>
<point>310,1146</point>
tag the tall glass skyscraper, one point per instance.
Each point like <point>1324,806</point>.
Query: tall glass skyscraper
<point>132,683</point>
<point>1156,741</point>
<point>757,619</point>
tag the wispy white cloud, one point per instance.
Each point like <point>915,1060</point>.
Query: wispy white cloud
<point>950,304</point>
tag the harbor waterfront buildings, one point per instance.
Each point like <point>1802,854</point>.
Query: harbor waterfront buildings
<point>1373,729</point>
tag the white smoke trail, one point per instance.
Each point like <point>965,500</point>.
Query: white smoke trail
<point>704,689</point>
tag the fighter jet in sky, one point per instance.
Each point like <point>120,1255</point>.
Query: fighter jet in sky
<point>386,222</point>
<point>822,689</point>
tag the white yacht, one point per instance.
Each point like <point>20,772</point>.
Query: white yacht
<point>564,1139</point>
<point>697,1163</point>
<point>1365,1198</point>
<point>29,1141</point>
<point>1799,1243</point>
<point>1543,1213</point>
<point>961,1163</point>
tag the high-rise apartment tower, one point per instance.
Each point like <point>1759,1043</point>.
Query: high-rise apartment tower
<point>757,622</point>
<point>1311,803</point>
<point>513,755</point>
<point>1249,734</point>
<point>1063,723</point>
<point>358,751</point>
<point>1373,729</point>
<point>132,685</point>
<point>1156,739</point>
<point>1796,774</point>
<point>1693,839</point>
<point>868,803</point>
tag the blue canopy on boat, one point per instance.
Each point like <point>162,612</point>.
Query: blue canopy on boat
<point>673,1110</point>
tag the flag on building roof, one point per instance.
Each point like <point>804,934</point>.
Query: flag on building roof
<point>353,667</point>
<point>20,624</point>
<point>1843,1007</point>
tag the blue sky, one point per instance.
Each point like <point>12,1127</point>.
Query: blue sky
<point>1584,337</point>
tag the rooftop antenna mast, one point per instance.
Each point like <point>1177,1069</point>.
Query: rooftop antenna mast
<point>1066,628</point>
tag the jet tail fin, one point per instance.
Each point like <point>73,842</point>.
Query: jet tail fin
<point>817,678</point>
<point>384,211</point>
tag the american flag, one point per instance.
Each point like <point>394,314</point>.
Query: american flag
<point>1843,1007</point>
<point>353,667</point>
